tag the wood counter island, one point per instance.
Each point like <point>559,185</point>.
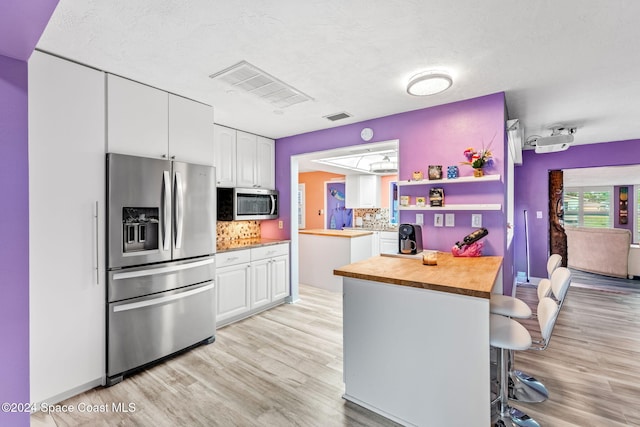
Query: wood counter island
<point>416,338</point>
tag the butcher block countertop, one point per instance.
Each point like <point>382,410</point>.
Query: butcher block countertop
<point>337,233</point>
<point>471,276</point>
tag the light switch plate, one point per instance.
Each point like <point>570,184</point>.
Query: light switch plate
<point>539,214</point>
<point>449,220</point>
<point>419,218</point>
<point>476,220</point>
<point>438,220</point>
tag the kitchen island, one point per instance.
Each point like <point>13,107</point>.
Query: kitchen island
<point>416,338</point>
<point>321,251</point>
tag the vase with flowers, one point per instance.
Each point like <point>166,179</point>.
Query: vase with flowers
<point>478,160</point>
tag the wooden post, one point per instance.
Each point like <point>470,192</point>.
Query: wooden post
<point>557,236</point>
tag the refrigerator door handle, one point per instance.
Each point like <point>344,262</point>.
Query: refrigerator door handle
<point>166,238</point>
<point>161,270</point>
<point>162,300</point>
<point>179,210</point>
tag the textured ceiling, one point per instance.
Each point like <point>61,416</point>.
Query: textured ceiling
<point>572,62</point>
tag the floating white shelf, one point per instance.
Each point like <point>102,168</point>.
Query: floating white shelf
<point>461,180</point>
<point>454,207</point>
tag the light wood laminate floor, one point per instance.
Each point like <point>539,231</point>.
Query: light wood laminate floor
<point>284,368</point>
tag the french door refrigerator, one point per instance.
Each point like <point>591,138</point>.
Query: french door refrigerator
<point>161,228</point>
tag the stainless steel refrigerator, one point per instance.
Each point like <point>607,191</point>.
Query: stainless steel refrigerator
<point>161,228</point>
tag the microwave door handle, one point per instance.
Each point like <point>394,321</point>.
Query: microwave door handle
<point>179,210</point>
<point>166,238</point>
<point>273,204</point>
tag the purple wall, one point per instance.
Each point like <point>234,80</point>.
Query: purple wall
<point>436,135</point>
<point>531,187</point>
<point>21,24</point>
<point>14,229</point>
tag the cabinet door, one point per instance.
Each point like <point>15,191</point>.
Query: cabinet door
<point>352,191</point>
<point>279,277</point>
<point>190,131</point>
<point>265,163</point>
<point>137,118</point>
<point>388,246</point>
<point>375,243</point>
<point>260,283</point>
<point>224,156</point>
<point>246,160</point>
<point>369,191</point>
<point>234,287</point>
<point>66,238</point>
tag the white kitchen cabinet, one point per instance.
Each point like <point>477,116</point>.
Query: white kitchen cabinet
<point>233,284</point>
<point>255,167</point>
<point>145,121</point>
<point>375,243</point>
<point>270,274</point>
<point>137,117</point>
<point>251,280</point>
<point>66,228</point>
<point>280,283</point>
<point>190,131</point>
<point>224,157</point>
<point>362,191</point>
<point>265,164</point>
<point>388,242</point>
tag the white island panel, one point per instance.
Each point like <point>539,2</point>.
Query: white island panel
<point>417,356</point>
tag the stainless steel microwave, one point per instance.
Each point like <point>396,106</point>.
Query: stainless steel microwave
<point>237,204</point>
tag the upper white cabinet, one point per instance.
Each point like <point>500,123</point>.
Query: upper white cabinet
<point>243,159</point>
<point>149,122</point>
<point>137,117</point>
<point>362,191</point>
<point>190,131</point>
<point>66,227</point>
<point>224,155</point>
<point>256,161</point>
<point>247,159</point>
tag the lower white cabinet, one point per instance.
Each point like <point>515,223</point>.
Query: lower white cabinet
<point>251,280</point>
<point>388,242</point>
<point>233,282</point>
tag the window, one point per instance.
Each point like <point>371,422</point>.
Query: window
<point>588,207</point>
<point>636,203</point>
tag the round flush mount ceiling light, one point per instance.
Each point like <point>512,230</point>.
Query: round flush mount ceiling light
<point>429,83</point>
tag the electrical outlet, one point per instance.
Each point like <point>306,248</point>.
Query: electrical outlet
<point>437,220</point>
<point>449,220</point>
<point>280,225</point>
<point>476,220</point>
<point>419,218</point>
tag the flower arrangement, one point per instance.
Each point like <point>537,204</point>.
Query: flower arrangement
<point>478,159</point>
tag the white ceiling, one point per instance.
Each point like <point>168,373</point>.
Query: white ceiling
<point>574,62</point>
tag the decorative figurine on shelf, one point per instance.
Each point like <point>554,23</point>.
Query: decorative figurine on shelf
<point>435,171</point>
<point>417,176</point>
<point>452,172</point>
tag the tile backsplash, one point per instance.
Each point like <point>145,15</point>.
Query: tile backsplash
<point>235,230</point>
<point>372,218</point>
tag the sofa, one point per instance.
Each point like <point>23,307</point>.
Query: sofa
<point>605,251</point>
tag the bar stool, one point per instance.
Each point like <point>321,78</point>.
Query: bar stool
<point>506,305</point>
<point>524,387</point>
<point>508,335</point>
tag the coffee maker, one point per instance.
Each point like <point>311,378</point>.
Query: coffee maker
<point>409,239</point>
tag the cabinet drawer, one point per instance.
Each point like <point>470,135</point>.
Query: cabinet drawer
<point>269,251</point>
<point>233,257</point>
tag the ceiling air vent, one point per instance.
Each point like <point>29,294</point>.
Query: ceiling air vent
<point>337,116</point>
<point>250,79</point>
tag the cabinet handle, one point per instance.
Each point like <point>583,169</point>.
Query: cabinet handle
<point>96,219</point>
<point>173,157</point>
<point>164,156</point>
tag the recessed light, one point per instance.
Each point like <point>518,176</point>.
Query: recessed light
<point>429,83</point>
